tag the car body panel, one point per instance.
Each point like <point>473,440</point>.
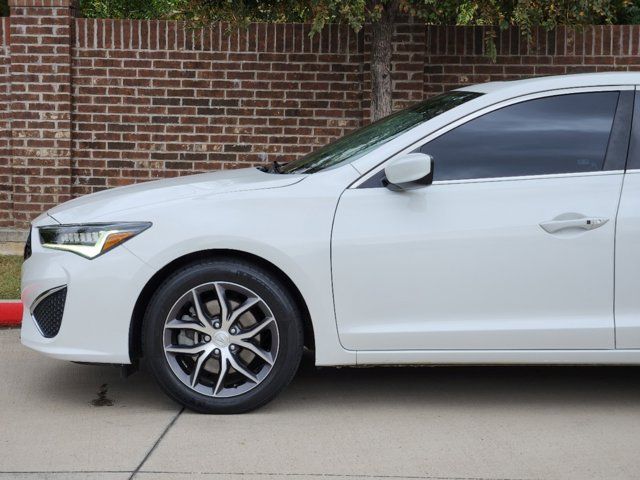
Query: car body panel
<point>466,265</point>
<point>111,202</point>
<point>627,274</point>
<point>499,357</point>
<point>101,295</point>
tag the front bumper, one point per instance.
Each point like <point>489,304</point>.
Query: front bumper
<point>101,295</point>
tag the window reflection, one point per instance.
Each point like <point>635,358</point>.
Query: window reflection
<point>560,134</point>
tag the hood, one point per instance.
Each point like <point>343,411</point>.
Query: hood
<point>111,202</point>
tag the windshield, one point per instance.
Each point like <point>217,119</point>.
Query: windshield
<point>361,141</point>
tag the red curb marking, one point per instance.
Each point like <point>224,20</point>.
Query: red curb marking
<point>10,314</point>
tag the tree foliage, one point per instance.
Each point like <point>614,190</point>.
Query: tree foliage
<point>523,13</point>
<point>134,9</point>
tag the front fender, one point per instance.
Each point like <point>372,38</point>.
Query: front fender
<point>287,227</point>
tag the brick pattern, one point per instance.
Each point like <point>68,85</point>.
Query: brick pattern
<point>455,56</point>
<point>40,102</point>
<point>154,99</point>
<point>92,104</point>
<point>6,177</point>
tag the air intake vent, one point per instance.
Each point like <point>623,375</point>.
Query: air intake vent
<point>48,312</point>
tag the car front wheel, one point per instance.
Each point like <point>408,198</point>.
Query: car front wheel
<point>223,336</point>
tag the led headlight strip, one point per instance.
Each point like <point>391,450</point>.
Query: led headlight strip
<point>92,239</point>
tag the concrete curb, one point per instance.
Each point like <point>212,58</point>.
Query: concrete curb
<point>10,313</point>
<point>11,235</point>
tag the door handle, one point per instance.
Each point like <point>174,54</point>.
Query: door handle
<point>573,222</point>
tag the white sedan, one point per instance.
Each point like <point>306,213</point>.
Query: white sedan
<point>494,224</point>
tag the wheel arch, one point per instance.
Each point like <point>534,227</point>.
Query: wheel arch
<point>135,328</point>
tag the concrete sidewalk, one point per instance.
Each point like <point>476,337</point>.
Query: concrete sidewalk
<point>427,423</point>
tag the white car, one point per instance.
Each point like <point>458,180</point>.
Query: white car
<point>494,224</point>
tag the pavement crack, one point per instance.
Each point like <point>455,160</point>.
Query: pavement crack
<point>164,432</point>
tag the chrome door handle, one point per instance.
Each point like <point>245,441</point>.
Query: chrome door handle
<point>584,223</point>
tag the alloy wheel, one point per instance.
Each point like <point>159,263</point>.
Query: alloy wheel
<point>221,339</point>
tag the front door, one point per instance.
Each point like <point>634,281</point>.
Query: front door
<point>511,247</point>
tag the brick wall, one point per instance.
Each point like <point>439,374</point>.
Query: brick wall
<point>40,105</point>
<point>6,177</point>
<point>91,104</point>
<point>153,99</point>
<point>454,56</point>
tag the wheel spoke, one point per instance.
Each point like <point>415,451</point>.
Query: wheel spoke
<point>238,312</point>
<point>195,375</point>
<point>222,301</point>
<point>185,349</point>
<point>241,369</point>
<point>256,329</point>
<point>198,307</point>
<point>221,375</point>
<point>195,326</point>
<point>266,356</point>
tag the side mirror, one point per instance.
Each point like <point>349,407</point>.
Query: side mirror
<point>412,170</point>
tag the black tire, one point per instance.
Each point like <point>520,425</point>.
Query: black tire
<point>279,300</point>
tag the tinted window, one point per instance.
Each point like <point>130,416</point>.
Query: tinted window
<point>560,134</point>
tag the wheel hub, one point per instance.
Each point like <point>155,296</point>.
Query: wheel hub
<point>221,339</point>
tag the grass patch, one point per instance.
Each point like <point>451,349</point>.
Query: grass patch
<point>10,266</point>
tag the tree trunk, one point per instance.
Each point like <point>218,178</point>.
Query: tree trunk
<point>381,50</point>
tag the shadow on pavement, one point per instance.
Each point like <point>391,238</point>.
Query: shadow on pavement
<point>420,386</point>
<point>463,386</point>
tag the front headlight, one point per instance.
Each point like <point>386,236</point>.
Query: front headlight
<point>90,240</point>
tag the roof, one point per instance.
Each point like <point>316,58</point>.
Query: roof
<point>539,84</point>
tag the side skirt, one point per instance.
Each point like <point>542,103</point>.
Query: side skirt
<point>499,357</point>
